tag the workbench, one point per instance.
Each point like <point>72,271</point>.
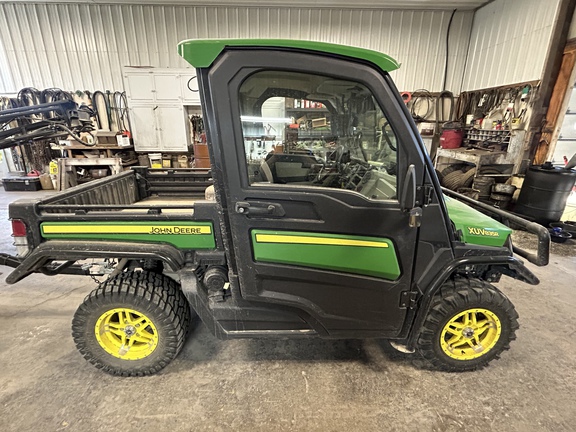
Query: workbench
<point>67,171</point>
<point>482,158</point>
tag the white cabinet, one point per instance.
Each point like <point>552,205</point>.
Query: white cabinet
<point>139,87</point>
<point>143,121</point>
<point>159,128</point>
<point>161,85</point>
<point>156,100</point>
<point>189,86</point>
<point>172,137</point>
<point>167,88</point>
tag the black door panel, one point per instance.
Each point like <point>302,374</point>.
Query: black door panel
<point>322,294</point>
<point>326,219</point>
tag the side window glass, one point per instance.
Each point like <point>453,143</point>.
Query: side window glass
<point>313,130</point>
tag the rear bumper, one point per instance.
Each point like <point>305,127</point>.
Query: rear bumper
<point>47,268</point>
<point>9,260</point>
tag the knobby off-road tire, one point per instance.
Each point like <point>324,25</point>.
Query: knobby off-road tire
<point>470,323</point>
<point>133,324</point>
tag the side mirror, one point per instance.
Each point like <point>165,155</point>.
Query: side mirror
<point>408,198</point>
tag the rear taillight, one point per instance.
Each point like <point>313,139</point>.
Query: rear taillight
<point>20,239</point>
<point>18,228</point>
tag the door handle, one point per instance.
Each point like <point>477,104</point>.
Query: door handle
<point>259,209</point>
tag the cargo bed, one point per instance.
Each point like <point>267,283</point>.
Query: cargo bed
<point>138,194</point>
<point>131,187</point>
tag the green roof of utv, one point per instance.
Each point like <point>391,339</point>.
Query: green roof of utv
<point>202,53</point>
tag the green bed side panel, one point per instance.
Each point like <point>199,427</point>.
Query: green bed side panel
<point>181,234</point>
<point>369,256</point>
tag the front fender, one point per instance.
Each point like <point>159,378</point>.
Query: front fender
<point>508,265</point>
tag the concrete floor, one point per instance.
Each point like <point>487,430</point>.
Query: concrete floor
<point>309,385</point>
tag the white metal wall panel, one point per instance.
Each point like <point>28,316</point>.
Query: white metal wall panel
<point>342,4</point>
<point>572,31</point>
<point>84,46</point>
<point>509,42</point>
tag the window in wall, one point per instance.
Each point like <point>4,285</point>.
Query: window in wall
<point>566,144</point>
<point>314,130</point>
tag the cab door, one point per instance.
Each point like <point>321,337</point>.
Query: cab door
<point>309,156</point>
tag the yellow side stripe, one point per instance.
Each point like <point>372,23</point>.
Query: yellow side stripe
<point>125,229</point>
<point>274,238</point>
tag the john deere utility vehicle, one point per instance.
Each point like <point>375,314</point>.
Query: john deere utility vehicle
<point>328,221</point>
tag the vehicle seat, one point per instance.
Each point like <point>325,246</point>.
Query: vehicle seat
<point>266,172</point>
<point>287,168</point>
<point>209,194</point>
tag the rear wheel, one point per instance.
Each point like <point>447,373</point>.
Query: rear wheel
<point>469,324</point>
<point>133,324</point>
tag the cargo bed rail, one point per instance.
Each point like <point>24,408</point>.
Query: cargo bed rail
<point>172,181</point>
<point>84,208</point>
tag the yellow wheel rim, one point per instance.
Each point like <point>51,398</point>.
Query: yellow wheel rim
<point>126,334</point>
<point>470,334</point>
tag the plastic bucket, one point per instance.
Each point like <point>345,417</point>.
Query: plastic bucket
<point>484,185</point>
<point>182,161</point>
<point>155,160</point>
<point>451,138</point>
<point>174,161</point>
<point>143,160</point>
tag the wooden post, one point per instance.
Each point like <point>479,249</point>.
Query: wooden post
<point>552,67</point>
<point>564,84</point>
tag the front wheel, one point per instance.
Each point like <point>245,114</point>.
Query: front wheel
<point>470,323</point>
<point>133,324</point>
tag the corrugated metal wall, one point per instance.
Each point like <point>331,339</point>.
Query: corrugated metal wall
<point>509,42</point>
<point>84,46</point>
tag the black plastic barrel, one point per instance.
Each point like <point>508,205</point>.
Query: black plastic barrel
<point>544,193</point>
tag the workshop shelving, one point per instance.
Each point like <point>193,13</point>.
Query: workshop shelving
<point>477,150</point>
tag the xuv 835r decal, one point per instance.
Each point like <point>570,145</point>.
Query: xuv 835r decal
<point>370,256</point>
<point>184,235</point>
<point>483,232</point>
<point>476,227</point>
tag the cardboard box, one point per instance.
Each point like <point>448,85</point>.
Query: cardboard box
<point>105,137</point>
<point>123,141</point>
<point>320,122</point>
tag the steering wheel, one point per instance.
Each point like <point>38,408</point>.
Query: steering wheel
<point>340,156</point>
<point>336,159</point>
